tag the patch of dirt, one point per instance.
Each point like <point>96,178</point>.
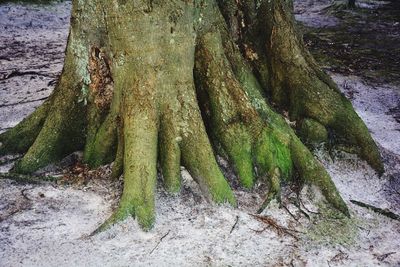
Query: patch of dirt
<point>362,41</point>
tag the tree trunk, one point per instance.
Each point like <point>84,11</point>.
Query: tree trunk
<point>177,82</point>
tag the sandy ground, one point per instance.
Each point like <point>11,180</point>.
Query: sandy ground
<point>48,224</point>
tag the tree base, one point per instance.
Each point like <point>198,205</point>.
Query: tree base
<point>188,94</point>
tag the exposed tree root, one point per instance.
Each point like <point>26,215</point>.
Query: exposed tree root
<point>250,140</point>
<point>295,83</point>
<point>22,136</point>
<point>60,134</point>
<point>309,94</point>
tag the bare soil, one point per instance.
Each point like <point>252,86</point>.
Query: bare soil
<point>362,41</point>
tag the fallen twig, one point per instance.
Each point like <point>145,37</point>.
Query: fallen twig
<point>5,58</point>
<point>23,102</point>
<point>161,239</point>
<point>23,193</point>
<point>304,206</point>
<point>290,213</point>
<point>234,225</point>
<point>31,179</point>
<point>302,211</point>
<point>278,228</point>
<point>260,231</point>
<point>384,212</point>
<point>383,256</point>
<point>6,216</point>
<point>340,257</point>
<point>22,73</point>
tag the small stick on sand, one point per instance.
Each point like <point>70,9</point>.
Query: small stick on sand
<point>234,225</point>
<point>30,179</point>
<point>161,239</point>
<point>278,228</point>
<point>384,212</point>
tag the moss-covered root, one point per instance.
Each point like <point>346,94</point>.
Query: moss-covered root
<point>137,148</point>
<point>235,123</point>
<point>298,85</point>
<point>22,136</point>
<point>196,151</point>
<point>140,119</point>
<point>249,131</point>
<point>274,191</point>
<point>102,149</point>
<point>147,127</point>
<point>62,133</point>
<point>199,159</point>
<point>314,173</point>
<point>63,130</point>
<point>215,83</point>
<point>170,153</point>
<point>118,165</point>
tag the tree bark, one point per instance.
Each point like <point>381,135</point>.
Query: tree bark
<point>177,82</point>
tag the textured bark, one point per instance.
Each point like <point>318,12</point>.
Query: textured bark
<point>177,82</point>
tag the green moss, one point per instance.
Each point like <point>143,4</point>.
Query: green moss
<point>227,115</point>
<point>64,130</point>
<point>312,132</point>
<point>240,153</point>
<point>333,228</point>
<point>118,165</point>
<point>145,215</point>
<point>124,210</point>
<point>140,135</point>
<point>271,154</point>
<point>102,149</point>
<point>62,133</point>
<point>170,159</point>
<point>314,173</point>
<point>199,159</point>
<point>274,190</point>
<point>22,136</point>
<point>276,150</point>
<point>128,207</point>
